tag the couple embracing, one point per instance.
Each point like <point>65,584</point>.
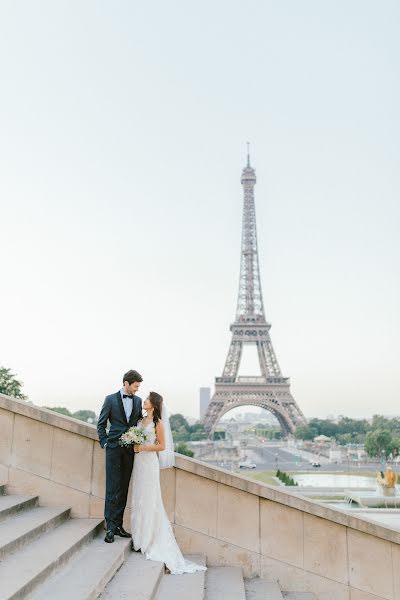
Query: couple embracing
<point>152,533</point>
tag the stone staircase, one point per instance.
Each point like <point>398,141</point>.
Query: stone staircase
<point>44,554</point>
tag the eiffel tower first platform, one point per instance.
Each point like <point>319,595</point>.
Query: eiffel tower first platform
<point>271,390</point>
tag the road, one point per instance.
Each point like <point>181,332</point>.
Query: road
<point>270,458</point>
<point>274,457</point>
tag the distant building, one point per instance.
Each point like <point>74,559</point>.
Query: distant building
<point>205,396</point>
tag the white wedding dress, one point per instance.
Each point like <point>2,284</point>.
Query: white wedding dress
<point>151,530</point>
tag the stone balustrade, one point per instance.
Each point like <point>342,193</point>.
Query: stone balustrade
<point>267,531</point>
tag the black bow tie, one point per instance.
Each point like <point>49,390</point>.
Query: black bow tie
<point>127,396</point>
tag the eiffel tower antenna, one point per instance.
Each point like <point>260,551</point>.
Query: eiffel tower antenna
<point>272,390</point>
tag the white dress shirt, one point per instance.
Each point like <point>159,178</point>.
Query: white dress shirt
<point>128,404</point>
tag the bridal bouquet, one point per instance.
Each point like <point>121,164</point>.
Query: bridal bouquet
<point>134,436</point>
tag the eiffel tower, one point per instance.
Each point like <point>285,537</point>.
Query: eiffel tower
<point>271,390</point>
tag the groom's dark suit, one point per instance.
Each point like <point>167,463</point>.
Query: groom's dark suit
<point>119,460</point>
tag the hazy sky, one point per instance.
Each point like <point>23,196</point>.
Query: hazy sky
<point>122,139</point>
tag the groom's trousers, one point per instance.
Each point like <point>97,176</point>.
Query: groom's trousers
<point>119,463</point>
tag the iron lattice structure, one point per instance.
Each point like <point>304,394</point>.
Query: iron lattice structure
<point>270,390</point>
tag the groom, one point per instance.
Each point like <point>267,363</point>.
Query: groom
<point>123,410</point>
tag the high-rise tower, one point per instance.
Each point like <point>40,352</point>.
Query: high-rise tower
<point>271,390</point>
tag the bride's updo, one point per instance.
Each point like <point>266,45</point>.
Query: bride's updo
<point>156,402</point>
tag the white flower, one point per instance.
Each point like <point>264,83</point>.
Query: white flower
<point>134,436</point>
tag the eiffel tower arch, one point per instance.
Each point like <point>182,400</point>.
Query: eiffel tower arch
<point>271,390</point>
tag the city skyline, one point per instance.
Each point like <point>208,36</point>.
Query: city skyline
<point>124,135</point>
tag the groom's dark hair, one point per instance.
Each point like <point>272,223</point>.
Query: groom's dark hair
<point>132,376</point>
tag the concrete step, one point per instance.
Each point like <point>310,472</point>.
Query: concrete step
<point>87,572</point>
<point>299,596</point>
<point>262,589</point>
<point>28,525</point>
<point>183,587</point>
<point>10,505</point>
<point>137,578</point>
<point>224,583</point>
<point>24,570</point>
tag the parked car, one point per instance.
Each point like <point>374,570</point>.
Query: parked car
<point>315,464</point>
<point>247,465</point>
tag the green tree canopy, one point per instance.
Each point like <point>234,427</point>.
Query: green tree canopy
<point>82,415</point>
<point>324,427</point>
<point>378,443</point>
<point>198,435</point>
<point>9,385</point>
<point>395,446</point>
<point>85,415</point>
<point>381,422</point>
<point>196,427</point>
<point>177,421</point>
<point>353,426</point>
<point>306,432</point>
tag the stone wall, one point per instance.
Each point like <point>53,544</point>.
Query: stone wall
<point>267,531</point>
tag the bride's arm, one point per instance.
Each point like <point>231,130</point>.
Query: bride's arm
<point>160,432</point>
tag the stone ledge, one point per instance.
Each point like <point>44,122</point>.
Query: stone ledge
<point>263,490</point>
<point>240,482</point>
<point>48,416</point>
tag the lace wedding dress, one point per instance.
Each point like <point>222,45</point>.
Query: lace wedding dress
<point>151,530</point>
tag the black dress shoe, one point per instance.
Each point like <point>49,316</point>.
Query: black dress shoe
<point>109,537</point>
<point>121,532</point>
<point>133,548</point>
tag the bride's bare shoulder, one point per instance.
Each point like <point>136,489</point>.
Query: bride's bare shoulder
<point>160,425</point>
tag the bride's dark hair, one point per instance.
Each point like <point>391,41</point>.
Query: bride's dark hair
<point>156,402</point>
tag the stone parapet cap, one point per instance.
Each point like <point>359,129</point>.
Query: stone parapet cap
<point>50,417</point>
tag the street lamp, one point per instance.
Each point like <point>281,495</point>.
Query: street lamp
<point>383,458</point>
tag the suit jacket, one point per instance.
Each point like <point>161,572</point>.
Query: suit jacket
<point>113,411</point>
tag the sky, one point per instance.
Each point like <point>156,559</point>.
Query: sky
<point>123,130</point>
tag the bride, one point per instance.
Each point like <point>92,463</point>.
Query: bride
<point>151,530</point>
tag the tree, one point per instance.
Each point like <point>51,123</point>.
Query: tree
<point>198,436</point>
<point>197,432</point>
<point>9,385</point>
<point>85,415</point>
<point>395,446</point>
<point>353,426</point>
<point>380,422</point>
<point>346,438</point>
<point>182,448</point>
<point>378,443</point>
<point>305,432</point>
<point>181,435</point>
<point>177,421</point>
<point>324,427</point>
<point>345,431</point>
<point>196,427</point>
<point>81,415</point>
